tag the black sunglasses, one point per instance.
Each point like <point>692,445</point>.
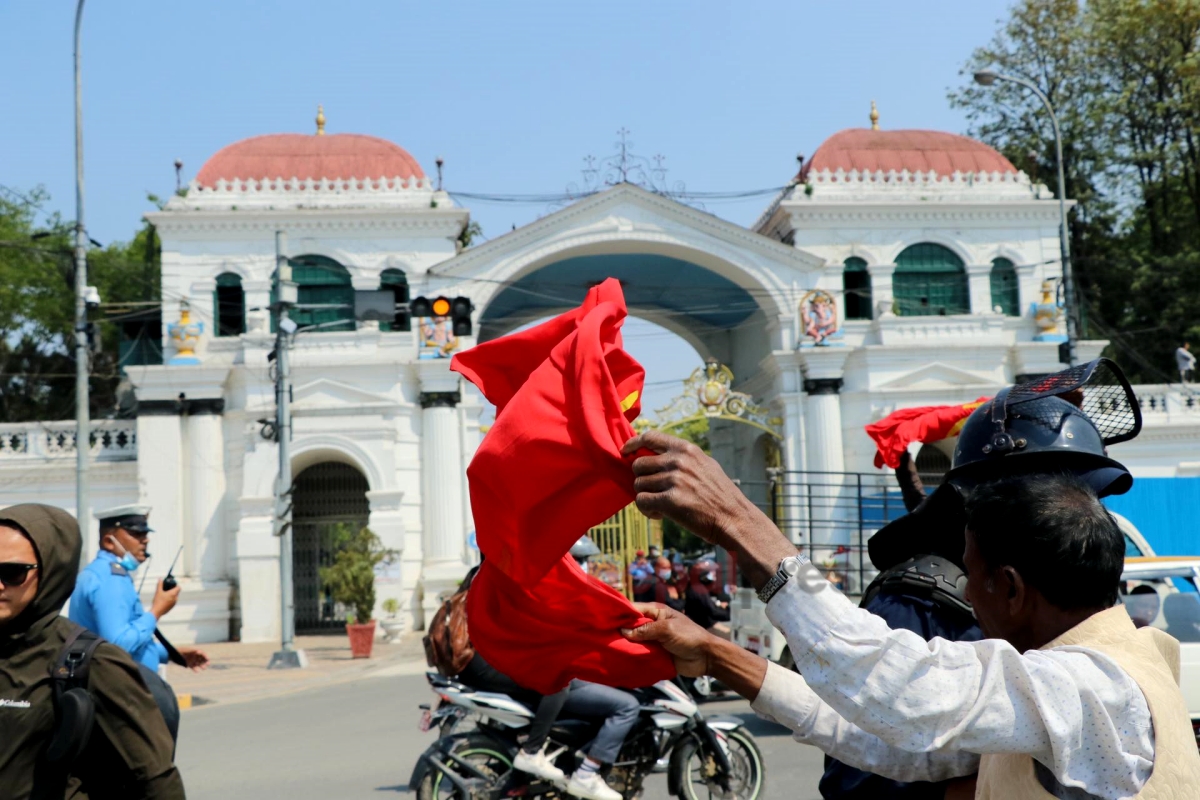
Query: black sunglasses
<point>15,574</point>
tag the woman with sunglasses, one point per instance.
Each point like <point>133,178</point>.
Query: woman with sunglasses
<point>129,751</point>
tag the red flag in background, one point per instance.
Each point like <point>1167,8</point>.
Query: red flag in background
<point>549,469</point>
<point>895,432</point>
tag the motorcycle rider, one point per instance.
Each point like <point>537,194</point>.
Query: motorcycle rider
<point>701,604</point>
<point>618,709</point>
<point>922,581</point>
<point>660,588</point>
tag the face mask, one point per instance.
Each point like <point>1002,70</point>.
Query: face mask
<point>127,561</point>
<point>710,576</point>
<point>665,574</point>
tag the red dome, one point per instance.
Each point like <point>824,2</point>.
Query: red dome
<point>916,151</point>
<point>295,155</point>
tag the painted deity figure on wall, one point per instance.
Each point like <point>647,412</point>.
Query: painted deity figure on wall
<point>437,337</point>
<point>818,312</point>
<point>1048,316</point>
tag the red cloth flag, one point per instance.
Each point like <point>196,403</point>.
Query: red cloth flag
<point>895,432</point>
<point>549,469</point>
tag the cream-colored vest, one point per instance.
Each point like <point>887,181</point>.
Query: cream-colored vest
<point>1151,658</point>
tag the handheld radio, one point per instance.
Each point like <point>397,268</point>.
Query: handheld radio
<point>169,582</point>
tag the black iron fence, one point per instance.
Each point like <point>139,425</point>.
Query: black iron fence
<point>830,516</point>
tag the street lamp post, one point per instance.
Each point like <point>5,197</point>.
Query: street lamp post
<point>988,77</point>
<point>82,421</point>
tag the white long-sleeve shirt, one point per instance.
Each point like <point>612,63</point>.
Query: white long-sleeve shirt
<point>888,702</point>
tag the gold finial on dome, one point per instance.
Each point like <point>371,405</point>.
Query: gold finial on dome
<point>320,120</point>
<point>874,117</point>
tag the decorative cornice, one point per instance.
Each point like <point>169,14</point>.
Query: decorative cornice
<point>440,399</point>
<point>435,222</point>
<point>308,193</point>
<point>707,223</point>
<point>984,215</point>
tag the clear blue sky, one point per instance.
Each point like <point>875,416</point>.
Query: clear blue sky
<point>511,94</point>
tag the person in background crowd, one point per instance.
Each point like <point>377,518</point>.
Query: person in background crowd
<point>1185,361</point>
<point>701,605</point>
<point>661,586</point>
<point>1142,603</point>
<point>128,752</point>
<point>1182,612</point>
<point>640,569</point>
<point>1065,699</point>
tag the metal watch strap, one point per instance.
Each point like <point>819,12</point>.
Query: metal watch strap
<point>781,576</point>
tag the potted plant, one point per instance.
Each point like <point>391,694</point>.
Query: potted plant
<point>350,580</point>
<point>392,627</point>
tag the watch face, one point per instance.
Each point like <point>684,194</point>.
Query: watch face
<point>791,565</point>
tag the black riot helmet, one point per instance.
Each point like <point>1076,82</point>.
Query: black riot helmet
<point>1070,416</point>
<point>1059,423</point>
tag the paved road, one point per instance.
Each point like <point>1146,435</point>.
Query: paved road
<point>359,740</point>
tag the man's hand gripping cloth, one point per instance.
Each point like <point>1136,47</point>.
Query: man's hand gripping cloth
<point>549,469</point>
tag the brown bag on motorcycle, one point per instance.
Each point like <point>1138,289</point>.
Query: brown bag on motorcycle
<point>448,645</point>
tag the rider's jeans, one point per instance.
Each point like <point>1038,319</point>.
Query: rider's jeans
<point>619,710</point>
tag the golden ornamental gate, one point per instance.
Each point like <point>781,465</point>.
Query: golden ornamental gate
<point>707,395</point>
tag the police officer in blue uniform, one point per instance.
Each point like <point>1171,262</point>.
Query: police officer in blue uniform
<point>106,601</point>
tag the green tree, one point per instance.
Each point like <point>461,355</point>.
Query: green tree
<point>1124,77</point>
<point>37,308</point>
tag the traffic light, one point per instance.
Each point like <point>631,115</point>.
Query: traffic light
<point>460,315</point>
<point>458,310</point>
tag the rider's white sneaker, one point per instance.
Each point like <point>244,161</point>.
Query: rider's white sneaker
<point>538,764</point>
<point>590,786</point>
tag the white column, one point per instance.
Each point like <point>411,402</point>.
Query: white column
<point>441,479</point>
<point>1028,289</point>
<point>823,425</point>
<point>882,294</point>
<point>979,288</point>
<point>258,567</point>
<point>831,507</point>
<point>160,470</point>
<point>204,554</point>
<point>443,534</point>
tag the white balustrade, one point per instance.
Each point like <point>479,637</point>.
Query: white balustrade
<point>110,440</point>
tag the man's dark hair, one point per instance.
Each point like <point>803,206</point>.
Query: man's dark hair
<point>1055,532</point>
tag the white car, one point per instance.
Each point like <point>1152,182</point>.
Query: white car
<point>1164,592</point>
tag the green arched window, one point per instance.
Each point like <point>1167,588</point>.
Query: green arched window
<point>930,280</point>
<point>229,305</point>
<point>856,283</point>
<point>322,281</point>
<point>395,280</point>
<point>1004,287</point>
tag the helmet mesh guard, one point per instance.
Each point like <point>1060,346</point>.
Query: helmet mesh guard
<point>1098,388</point>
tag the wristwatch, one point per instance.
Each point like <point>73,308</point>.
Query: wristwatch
<point>787,568</point>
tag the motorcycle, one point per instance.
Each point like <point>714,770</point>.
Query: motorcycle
<point>702,756</point>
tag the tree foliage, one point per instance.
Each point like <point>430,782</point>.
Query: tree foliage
<point>1124,79</point>
<point>37,308</point>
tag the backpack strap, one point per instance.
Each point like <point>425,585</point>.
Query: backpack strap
<point>74,708</point>
<point>71,669</point>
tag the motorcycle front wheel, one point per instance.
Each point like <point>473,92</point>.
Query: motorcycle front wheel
<point>697,778</point>
<point>480,752</point>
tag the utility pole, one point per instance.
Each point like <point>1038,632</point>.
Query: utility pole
<point>83,433</point>
<point>287,656</point>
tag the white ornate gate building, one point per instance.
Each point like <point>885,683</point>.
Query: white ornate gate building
<point>932,244</point>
